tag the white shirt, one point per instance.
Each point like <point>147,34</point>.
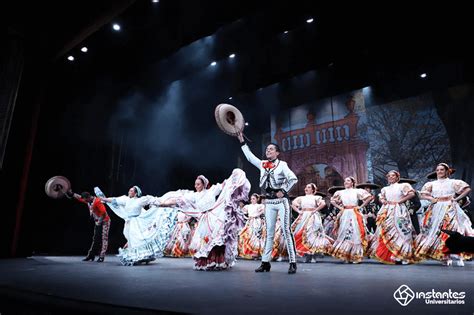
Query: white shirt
<point>206,198</point>
<point>254,210</point>
<point>396,191</point>
<point>126,207</point>
<point>444,187</point>
<point>351,196</point>
<point>309,201</point>
<point>279,178</point>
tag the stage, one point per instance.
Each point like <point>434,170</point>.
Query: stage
<point>53,285</point>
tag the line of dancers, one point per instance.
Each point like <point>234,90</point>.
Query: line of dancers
<point>211,225</point>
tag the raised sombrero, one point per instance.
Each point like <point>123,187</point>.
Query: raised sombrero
<point>229,119</point>
<point>57,186</point>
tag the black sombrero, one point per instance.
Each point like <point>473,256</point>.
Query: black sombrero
<point>368,185</point>
<point>333,189</point>
<point>407,180</point>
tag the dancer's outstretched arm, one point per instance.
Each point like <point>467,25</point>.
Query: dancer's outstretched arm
<point>248,154</point>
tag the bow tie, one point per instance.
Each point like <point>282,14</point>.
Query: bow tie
<point>268,164</point>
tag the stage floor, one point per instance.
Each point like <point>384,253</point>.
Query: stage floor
<point>45,284</point>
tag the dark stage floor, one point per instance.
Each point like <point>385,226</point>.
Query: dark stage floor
<point>53,285</point>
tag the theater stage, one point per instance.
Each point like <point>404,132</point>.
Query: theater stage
<point>54,285</point>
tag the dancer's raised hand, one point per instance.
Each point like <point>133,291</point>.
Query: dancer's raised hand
<point>240,136</point>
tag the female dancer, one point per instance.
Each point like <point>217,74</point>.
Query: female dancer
<point>214,243</point>
<point>393,240</point>
<point>444,213</point>
<point>308,227</point>
<point>146,231</point>
<point>351,240</point>
<point>178,244</point>
<point>252,236</point>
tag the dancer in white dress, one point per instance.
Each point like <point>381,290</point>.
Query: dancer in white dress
<point>252,236</point>
<point>351,242</point>
<point>214,243</point>
<point>308,229</point>
<point>444,213</point>
<point>393,239</point>
<point>146,231</point>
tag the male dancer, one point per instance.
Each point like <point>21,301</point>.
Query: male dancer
<point>276,180</point>
<point>102,224</point>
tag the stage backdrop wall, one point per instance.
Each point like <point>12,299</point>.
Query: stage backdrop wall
<point>355,134</point>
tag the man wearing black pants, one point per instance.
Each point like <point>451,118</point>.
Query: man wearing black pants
<point>97,210</point>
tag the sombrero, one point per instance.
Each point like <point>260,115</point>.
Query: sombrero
<point>432,175</point>
<point>229,119</point>
<point>57,186</point>
<point>333,189</point>
<point>369,185</point>
<point>407,180</point>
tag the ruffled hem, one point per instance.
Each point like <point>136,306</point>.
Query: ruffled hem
<point>391,246</point>
<point>321,245</point>
<point>310,237</point>
<point>214,262</point>
<point>248,252</point>
<point>203,245</point>
<point>177,251</point>
<point>433,247</point>
<point>212,266</point>
<point>142,254</point>
<point>178,245</point>
<point>348,251</point>
<point>250,244</point>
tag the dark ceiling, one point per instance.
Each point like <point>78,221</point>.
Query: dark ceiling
<point>377,40</point>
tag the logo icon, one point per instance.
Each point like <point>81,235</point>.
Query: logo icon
<point>404,295</point>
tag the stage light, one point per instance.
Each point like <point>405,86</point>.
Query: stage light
<point>116,27</point>
<point>70,58</point>
<point>213,63</point>
<point>232,56</point>
<point>285,32</point>
<point>230,97</point>
<point>246,123</point>
<point>155,1</point>
<point>423,75</point>
<point>84,49</point>
<point>310,20</point>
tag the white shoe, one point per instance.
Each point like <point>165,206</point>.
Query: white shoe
<point>460,262</point>
<point>448,262</point>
